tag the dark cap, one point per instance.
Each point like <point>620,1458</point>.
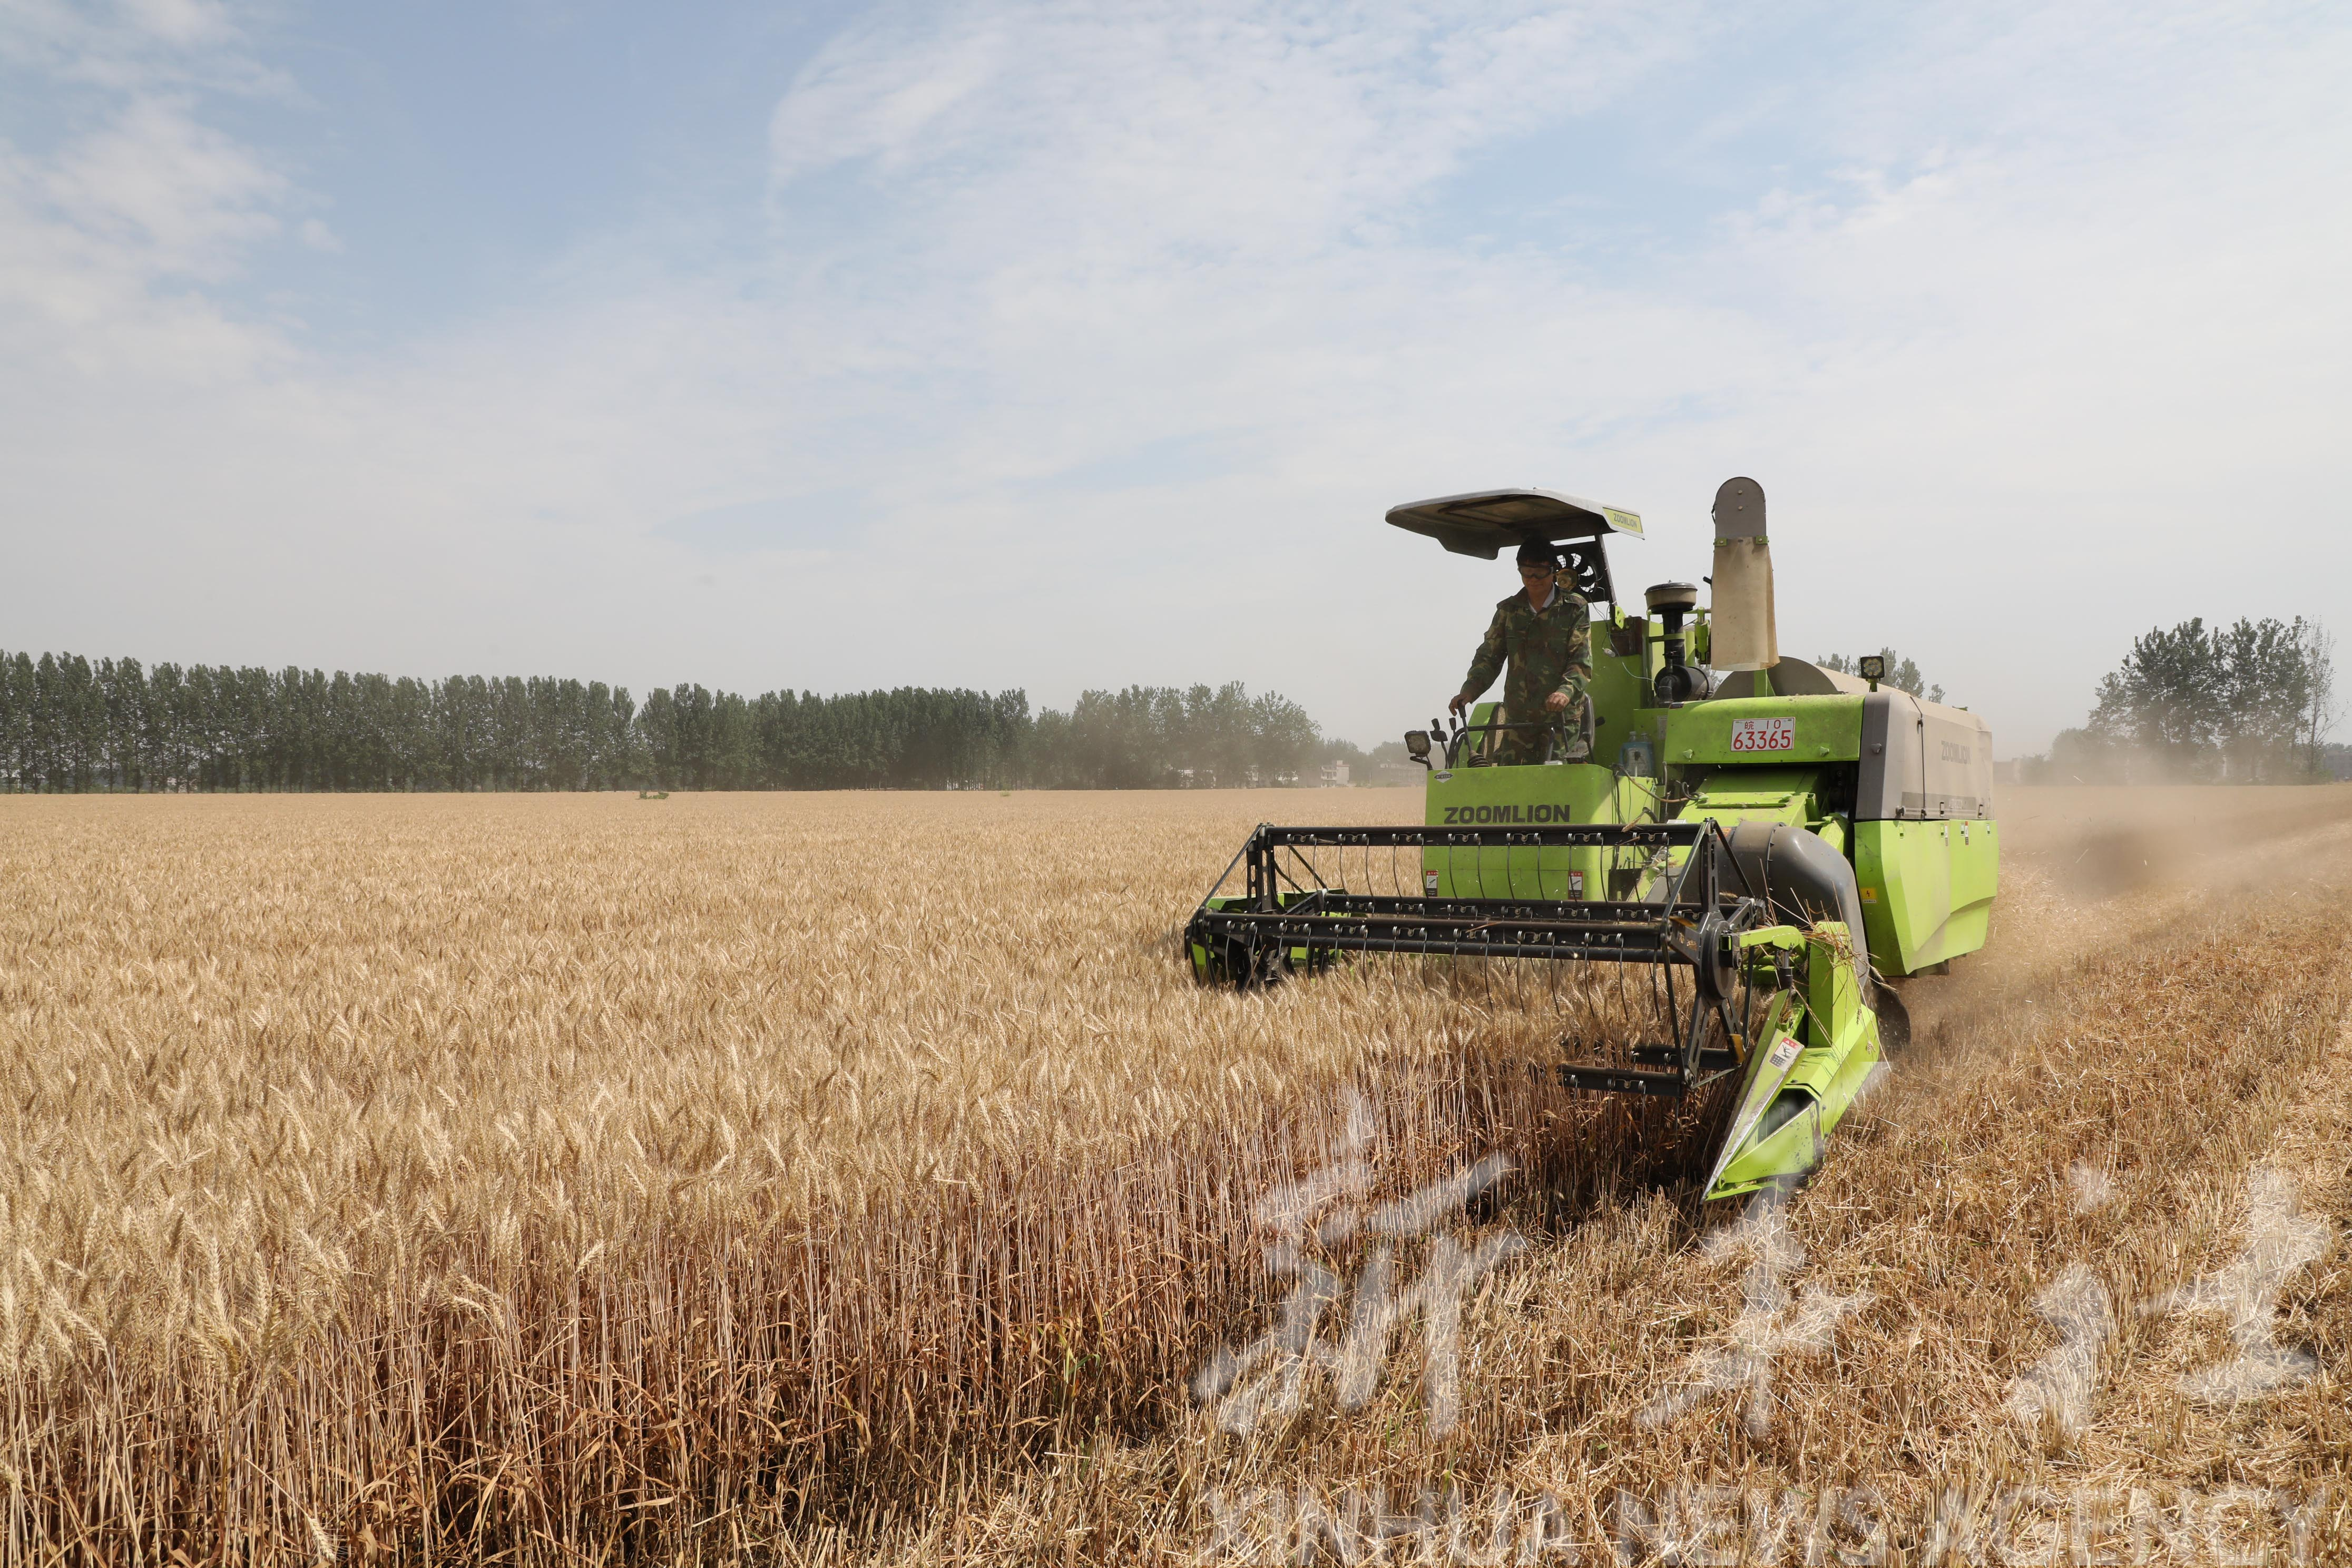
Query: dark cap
<point>1537,552</point>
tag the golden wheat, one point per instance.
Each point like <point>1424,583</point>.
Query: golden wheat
<point>428,1178</point>
<point>451,1175</point>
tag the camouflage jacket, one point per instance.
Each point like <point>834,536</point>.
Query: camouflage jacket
<point>1548,650</point>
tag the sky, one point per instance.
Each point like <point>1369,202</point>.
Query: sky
<point>1057,346</point>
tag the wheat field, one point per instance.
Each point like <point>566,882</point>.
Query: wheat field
<point>557,1179</point>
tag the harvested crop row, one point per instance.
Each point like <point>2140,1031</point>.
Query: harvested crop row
<point>2106,1112</point>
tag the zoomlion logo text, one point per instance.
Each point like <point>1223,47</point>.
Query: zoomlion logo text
<point>1955,753</point>
<point>1468,815</point>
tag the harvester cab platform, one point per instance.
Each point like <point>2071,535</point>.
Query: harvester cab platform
<point>1768,843</point>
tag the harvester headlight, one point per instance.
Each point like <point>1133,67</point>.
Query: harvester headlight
<point>1416,745</point>
<point>1872,667</point>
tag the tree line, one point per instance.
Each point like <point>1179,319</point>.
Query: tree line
<point>69,723</point>
<point>2249,703</point>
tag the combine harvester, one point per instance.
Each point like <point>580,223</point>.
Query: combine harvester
<point>1723,817</point>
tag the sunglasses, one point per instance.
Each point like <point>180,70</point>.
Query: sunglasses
<point>1538,571</point>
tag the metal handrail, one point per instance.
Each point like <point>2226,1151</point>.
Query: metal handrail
<point>1557,726</point>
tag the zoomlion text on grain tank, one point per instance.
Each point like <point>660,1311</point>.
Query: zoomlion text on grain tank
<point>1760,844</point>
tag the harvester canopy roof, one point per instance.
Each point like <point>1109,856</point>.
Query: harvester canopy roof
<point>1488,522</point>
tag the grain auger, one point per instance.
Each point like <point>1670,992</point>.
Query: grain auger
<point>1759,849</point>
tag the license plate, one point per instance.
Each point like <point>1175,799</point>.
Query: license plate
<point>1763,734</point>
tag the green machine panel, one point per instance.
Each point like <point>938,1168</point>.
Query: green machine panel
<point>1539,796</point>
<point>1926,890</point>
<point>1764,730</point>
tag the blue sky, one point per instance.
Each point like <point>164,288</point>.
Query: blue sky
<point>1053,346</point>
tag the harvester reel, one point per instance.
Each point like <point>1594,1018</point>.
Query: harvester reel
<point>1732,993</point>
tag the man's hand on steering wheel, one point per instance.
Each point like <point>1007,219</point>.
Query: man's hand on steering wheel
<point>1557,703</point>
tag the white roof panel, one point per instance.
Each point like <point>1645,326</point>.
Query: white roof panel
<point>1485,522</point>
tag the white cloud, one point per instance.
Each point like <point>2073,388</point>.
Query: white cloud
<point>185,24</point>
<point>138,44</point>
<point>164,191</point>
<point>1071,139</point>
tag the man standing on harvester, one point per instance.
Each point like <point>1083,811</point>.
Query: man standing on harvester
<point>1545,632</point>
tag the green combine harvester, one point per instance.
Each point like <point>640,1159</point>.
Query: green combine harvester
<point>1772,842</point>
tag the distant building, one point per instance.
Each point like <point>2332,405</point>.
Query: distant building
<point>1335,775</point>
